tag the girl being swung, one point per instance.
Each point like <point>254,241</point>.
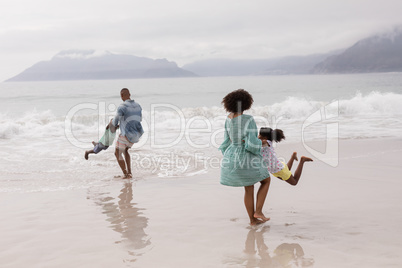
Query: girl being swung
<point>277,168</point>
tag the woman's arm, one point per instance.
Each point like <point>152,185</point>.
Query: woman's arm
<point>226,140</point>
<point>252,143</point>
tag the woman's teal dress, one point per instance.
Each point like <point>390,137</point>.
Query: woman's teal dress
<point>242,163</point>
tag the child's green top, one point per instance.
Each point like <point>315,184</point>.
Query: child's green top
<point>107,138</point>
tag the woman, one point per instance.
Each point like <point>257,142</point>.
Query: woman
<point>242,164</point>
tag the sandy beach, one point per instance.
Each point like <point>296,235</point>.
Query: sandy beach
<point>343,216</point>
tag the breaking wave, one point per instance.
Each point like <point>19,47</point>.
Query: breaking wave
<point>358,110</point>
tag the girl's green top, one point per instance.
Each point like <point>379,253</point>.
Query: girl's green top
<point>108,138</point>
<point>242,163</point>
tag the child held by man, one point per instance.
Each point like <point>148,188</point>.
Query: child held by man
<point>106,140</point>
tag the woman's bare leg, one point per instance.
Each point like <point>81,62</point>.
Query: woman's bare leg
<point>249,203</point>
<point>261,196</point>
<point>293,180</point>
<point>292,158</point>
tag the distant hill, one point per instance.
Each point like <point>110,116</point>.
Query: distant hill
<point>90,64</point>
<point>277,66</point>
<point>379,53</point>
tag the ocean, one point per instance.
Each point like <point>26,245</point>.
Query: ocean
<point>45,127</point>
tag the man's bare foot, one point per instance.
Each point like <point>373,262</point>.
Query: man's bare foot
<point>86,155</point>
<point>256,222</point>
<point>261,216</point>
<point>294,155</point>
<point>306,159</point>
<point>94,143</point>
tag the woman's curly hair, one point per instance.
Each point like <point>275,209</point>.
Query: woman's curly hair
<point>237,101</point>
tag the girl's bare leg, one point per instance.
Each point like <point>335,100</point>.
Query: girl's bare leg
<point>292,158</point>
<point>261,196</point>
<point>249,203</point>
<point>293,180</point>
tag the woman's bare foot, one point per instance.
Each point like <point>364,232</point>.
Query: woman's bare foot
<point>86,155</point>
<point>256,222</point>
<point>127,176</point>
<point>294,155</point>
<point>306,159</point>
<point>261,216</point>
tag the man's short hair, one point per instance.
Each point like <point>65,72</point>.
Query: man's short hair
<point>124,89</point>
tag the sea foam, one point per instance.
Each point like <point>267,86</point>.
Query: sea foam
<point>374,107</point>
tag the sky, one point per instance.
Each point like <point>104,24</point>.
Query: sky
<point>185,31</point>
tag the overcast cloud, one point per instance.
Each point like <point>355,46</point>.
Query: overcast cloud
<point>185,30</point>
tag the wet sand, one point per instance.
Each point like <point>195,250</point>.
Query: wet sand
<point>343,216</point>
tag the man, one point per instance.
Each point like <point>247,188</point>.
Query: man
<point>128,116</point>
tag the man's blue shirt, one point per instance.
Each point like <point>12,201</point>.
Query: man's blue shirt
<point>129,115</point>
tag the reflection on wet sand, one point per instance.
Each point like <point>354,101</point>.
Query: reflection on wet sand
<point>256,253</point>
<point>289,255</point>
<point>127,219</point>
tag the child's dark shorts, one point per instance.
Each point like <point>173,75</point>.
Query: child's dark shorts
<point>99,147</point>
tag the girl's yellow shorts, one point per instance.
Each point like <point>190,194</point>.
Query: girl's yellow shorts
<point>284,174</point>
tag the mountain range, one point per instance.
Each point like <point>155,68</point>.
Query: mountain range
<point>378,53</point>
<point>276,66</point>
<point>93,65</point>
